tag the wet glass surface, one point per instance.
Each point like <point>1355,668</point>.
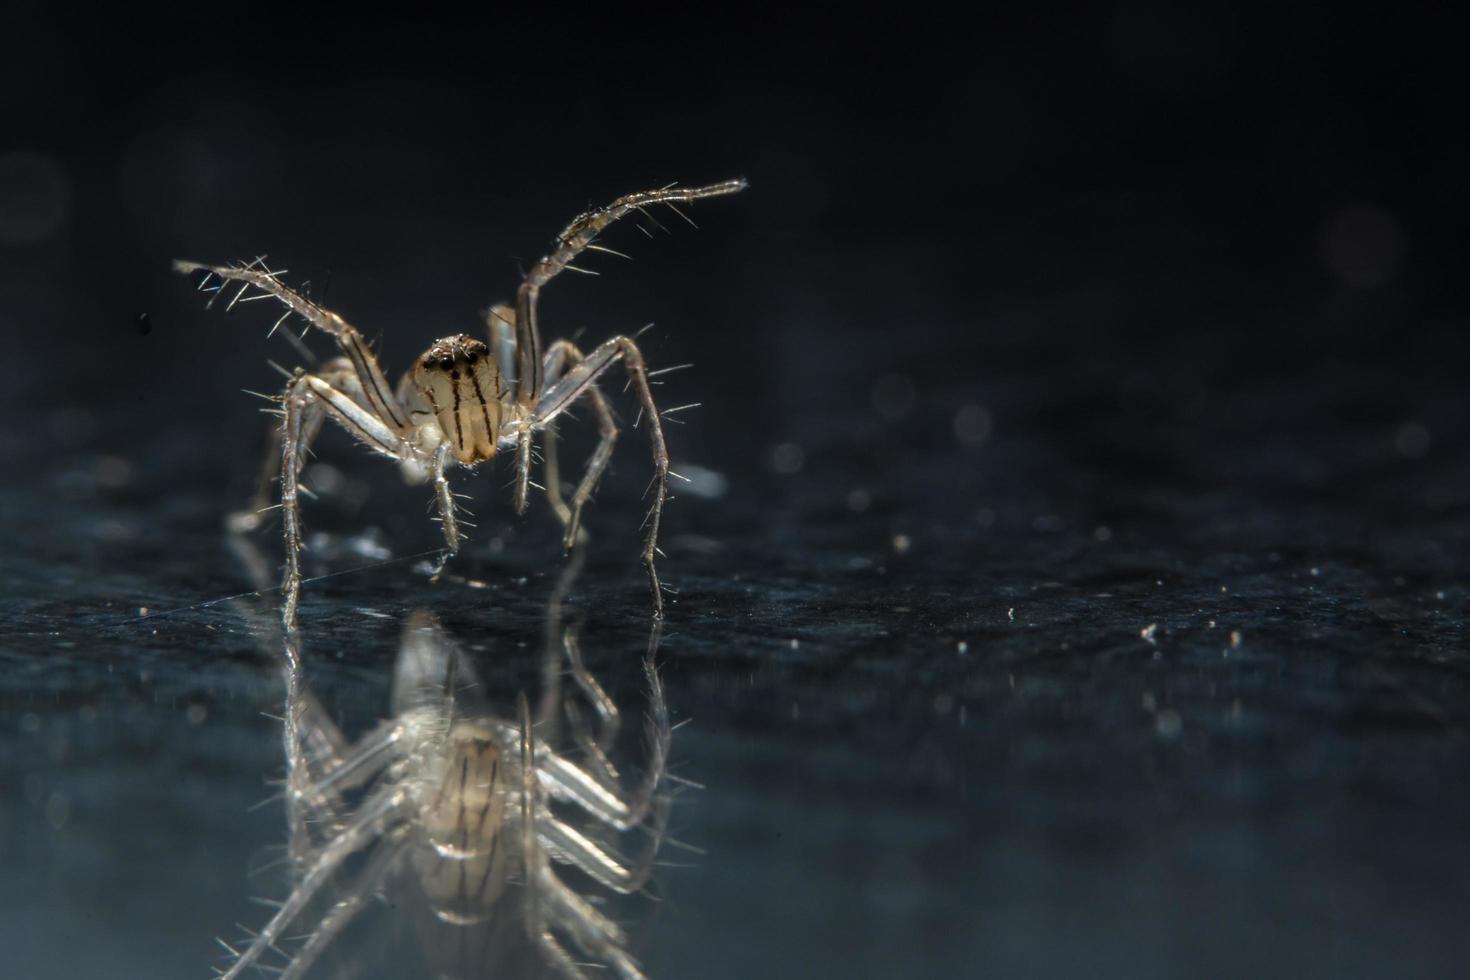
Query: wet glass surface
<point>1076,591</point>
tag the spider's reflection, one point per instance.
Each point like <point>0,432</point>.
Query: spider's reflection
<point>499,833</point>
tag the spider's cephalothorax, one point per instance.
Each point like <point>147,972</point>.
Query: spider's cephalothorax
<point>455,394</point>
<point>463,400</point>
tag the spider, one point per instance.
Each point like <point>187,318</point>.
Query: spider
<point>463,400</point>
<point>459,806</point>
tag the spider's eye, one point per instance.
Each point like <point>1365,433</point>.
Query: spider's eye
<point>447,363</point>
<point>471,356</point>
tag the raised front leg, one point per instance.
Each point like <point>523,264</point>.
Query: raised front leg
<point>376,391</point>
<point>579,235</point>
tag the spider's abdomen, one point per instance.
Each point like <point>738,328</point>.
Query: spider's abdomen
<point>461,854</point>
<point>458,382</point>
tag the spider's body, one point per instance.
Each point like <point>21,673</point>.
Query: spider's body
<point>455,394</point>
<point>463,400</point>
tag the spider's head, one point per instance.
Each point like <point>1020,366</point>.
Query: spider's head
<point>460,384</point>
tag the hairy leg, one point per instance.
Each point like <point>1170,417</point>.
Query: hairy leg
<point>305,393</point>
<point>582,234</point>
<point>338,373</point>
<point>376,392</point>
<point>500,323</point>
<point>378,809</point>
<point>560,358</point>
<point>573,385</point>
<point>448,520</point>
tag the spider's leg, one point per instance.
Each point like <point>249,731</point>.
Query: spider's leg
<point>550,904</point>
<point>551,465</point>
<point>594,933</point>
<point>561,357</point>
<point>500,322</point>
<point>524,451</point>
<point>377,394</point>
<point>579,235</point>
<point>547,711</point>
<point>378,809</point>
<point>315,811</point>
<point>302,393</point>
<point>619,808</point>
<point>594,746</point>
<point>573,385</point>
<point>320,764</point>
<point>448,520</point>
<point>609,869</point>
<point>338,373</point>
<point>347,907</point>
<point>534,864</point>
<point>548,900</point>
<point>556,956</point>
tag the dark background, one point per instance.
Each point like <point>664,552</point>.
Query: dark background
<point>1033,331</point>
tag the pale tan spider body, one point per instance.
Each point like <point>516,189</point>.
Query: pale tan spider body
<point>463,400</point>
<point>455,395</point>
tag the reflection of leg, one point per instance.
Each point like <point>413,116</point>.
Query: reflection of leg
<point>535,869</point>
<point>603,866</point>
<point>315,809</point>
<point>364,887</point>
<point>547,718</point>
<point>594,933</point>
<point>594,746</point>
<point>620,809</point>
<point>564,355</point>
<point>366,825</point>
